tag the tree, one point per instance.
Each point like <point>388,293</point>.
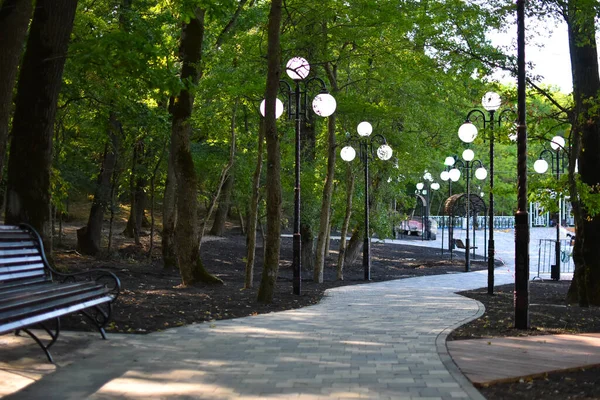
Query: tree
<point>89,237</point>
<point>580,17</point>
<point>28,189</point>
<point>14,19</point>
<point>273,185</point>
<point>186,230</point>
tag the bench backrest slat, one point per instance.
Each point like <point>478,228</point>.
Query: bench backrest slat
<point>20,257</point>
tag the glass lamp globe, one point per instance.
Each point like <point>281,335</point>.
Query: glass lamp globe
<point>435,185</point>
<point>420,186</point>
<point>324,104</point>
<point>557,143</point>
<point>481,173</point>
<point>445,176</point>
<point>348,153</point>
<point>449,161</point>
<point>427,176</point>
<point>467,132</point>
<point>364,128</point>
<point>384,152</point>
<point>454,174</point>
<point>491,101</point>
<point>540,166</point>
<point>278,108</point>
<point>468,155</point>
<point>297,68</point>
<point>424,192</point>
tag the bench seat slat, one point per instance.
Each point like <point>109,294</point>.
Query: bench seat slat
<point>29,308</point>
<point>25,282</point>
<point>34,290</point>
<point>73,292</point>
<point>22,323</point>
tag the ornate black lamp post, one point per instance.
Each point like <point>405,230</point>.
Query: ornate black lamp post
<point>558,159</point>
<point>425,190</point>
<point>367,152</point>
<point>491,103</point>
<point>468,167</point>
<point>445,176</point>
<point>323,105</point>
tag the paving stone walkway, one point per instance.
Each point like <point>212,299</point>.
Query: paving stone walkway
<point>375,341</point>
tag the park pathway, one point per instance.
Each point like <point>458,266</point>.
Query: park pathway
<point>377,341</point>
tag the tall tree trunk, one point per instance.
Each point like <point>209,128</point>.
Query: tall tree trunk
<point>273,184</point>
<point>223,210</point>
<point>342,249</point>
<point>14,20</point>
<point>28,189</point>
<point>169,212</point>
<point>152,202</point>
<point>130,229</point>
<point>186,230</point>
<point>253,214</point>
<point>586,88</point>
<point>326,203</point>
<point>89,237</point>
<point>354,245</point>
<point>307,247</point>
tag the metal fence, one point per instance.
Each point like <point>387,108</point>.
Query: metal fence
<point>500,222</point>
<point>547,256</point>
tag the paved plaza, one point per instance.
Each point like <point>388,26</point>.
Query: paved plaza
<point>376,341</point>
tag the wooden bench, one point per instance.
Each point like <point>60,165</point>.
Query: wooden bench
<point>33,294</point>
<point>460,245</point>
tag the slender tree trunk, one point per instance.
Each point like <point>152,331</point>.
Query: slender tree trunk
<point>273,185</point>
<point>223,210</point>
<point>28,189</point>
<point>89,237</point>
<point>253,214</point>
<point>14,20</point>
<point>169,212</point>
<point>586,87</point>
<point>224,175</point>
<point>152,192</point>
<point>342,249</point>
<point>326,203</point>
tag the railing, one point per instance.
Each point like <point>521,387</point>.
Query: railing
<point>500,222</point>
<point>547,256</point>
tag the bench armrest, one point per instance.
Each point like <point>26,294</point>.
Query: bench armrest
<point>101,276</point>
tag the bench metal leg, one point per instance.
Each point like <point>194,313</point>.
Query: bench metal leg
<point>99,317</point>
<point>53,335</point>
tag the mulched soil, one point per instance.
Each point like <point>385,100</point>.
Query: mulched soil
<point>152,298</point>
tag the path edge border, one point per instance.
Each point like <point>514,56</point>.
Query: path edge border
<point>446,358</point>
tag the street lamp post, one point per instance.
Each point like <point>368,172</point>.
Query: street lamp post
<point>491,103</point>
<point>445,176</point>
<point>366,150</point>
<point>480,173</point>
<point>541,166</point>
<point>324,105</point>
<point>425,190</point>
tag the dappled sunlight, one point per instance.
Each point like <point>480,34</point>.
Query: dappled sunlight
<point>135,385</point>
<point>358,343</point>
